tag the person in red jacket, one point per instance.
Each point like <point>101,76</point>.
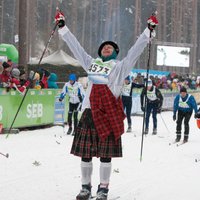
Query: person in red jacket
<point>16,83</point>
<point>5,77</point>
<point>44,76</point>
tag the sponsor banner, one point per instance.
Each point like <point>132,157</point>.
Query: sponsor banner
<point>37,109</point>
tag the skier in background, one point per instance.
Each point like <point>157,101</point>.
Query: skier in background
<point>154,105</point>
<point>101,125</point>
<point>184,104</point>
<point>76,93</point>
<point>127,98</point>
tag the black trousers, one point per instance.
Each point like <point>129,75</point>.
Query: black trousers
<point>127,104</point>
<point>73,110</point>
<point>186,117</point>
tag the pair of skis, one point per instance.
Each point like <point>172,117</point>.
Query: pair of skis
<point>113,198</point>
<point>177,143</point>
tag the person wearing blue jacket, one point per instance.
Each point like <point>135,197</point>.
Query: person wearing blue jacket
<point>184,104</point>
<point>76,93</point>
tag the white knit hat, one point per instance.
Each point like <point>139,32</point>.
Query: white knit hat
<point>15,73</point>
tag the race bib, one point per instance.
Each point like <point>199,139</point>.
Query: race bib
<point>126,89</point>
<point>183,105</point>
<point>98,71</point>
<point>72,91</point>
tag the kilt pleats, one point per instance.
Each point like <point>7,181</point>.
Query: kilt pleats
<point>87,143</point>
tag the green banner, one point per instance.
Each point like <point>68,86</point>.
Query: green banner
<point>37,108</point>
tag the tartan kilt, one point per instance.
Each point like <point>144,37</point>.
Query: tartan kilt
<point>87,144</point>
<point>107,112</point>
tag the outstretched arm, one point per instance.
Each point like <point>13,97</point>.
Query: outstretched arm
<point>124,67</point>
<point>75,47</point>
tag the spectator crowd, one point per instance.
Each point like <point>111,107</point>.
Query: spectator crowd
<point>171,82</point>
<point>16,78</point>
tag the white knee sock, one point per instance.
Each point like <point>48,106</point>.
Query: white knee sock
<point>105,172</point>
<point>86,171</point>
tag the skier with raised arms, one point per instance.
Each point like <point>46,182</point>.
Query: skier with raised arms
<point>101,125</point>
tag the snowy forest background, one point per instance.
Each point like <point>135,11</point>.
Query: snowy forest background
<point>93,21</point>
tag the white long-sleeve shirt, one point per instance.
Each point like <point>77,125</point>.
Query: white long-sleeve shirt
<point>120,69</point>
<point>74,91</point>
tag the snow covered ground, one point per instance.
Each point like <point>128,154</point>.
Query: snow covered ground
<point>40,166</point>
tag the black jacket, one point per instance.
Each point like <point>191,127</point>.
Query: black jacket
<point>158,101</point>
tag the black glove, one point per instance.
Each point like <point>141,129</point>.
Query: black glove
<point>197,115</point>
<point>61,23</point>
<point>60,99</point>
<point>159,109</point>
<point>142,108</point>
<point>80,98</point>
<point>174,117</point>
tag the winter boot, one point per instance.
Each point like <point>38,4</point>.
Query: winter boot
<point>85,193</point>
<point>146,131</point>
<point>154,131</point>
<point>73,133</point>
<point>185,139</point>
<point>102,193</point>
<point>129,129</point>
<point>69,131</point>
<point>178,138</point>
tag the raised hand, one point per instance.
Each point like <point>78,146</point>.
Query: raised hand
<point>152,21</point>
<point>60,19</point>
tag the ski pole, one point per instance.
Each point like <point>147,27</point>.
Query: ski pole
<point>145,89</point>
<point>52,33</point>
<point>164,124</point>
<point>145,97</point>
<point>6,155</point>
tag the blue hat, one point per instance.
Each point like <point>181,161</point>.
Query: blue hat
<point>128,78</point>
<point>72,77</point>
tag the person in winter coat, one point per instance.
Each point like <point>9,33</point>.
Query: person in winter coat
<point>101,125</point>
<point>154,104</point>
<point>76,93</point>
<point>5,76</point>
<point>44,76</point>
<point>16,83</point>
<point>52,81</point>
<point>184,104</point>
<point>127,98</point>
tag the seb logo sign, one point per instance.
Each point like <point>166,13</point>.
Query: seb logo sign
<point>34,110</point>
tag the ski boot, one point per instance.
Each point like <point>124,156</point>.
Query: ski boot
<point>73,133</point>
<point>177,139</point>
<point>129,129</point>
<point>146,131</point>
<point>154,131</point>
<point>85,193</point>
<point>102,193</point>
<point>185,139</point>
<point>69,131</point>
